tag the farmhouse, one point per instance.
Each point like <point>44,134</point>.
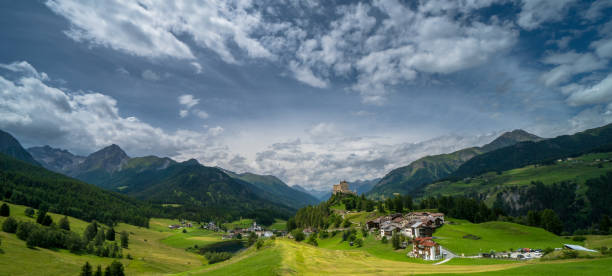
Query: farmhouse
<point>426,249</point>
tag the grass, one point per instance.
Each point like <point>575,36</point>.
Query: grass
<point>561,268</point>
<point>494,236</point>
<point>578,169</point>
<point>150,255</point>
<point>371,246</point>
<point>478,261</point>
<point>200,237</point>
<point>597,241</point>
<point>278,224</point>
<point>242,223</point>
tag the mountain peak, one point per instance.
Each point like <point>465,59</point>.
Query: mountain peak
<point>510,138</point>
<point>11,147</point>
<point>109,159</point>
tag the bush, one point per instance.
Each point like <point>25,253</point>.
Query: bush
<point>548,250</point>
<point>312,240</point>
<point>324,235</point>
<point>569,254</point>
<point>215,257</point>
<point>5,211</point>
<point>29,212</point>
<point>359,242</point>
<point>384,239</point>
<point>259,244</point>
<point>10,225</point>
<point>579,238</point>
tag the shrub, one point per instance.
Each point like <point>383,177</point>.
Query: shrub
<point>579,238</point>
<point>29,212</point>
<point>384,239</point>
<point>5,211</point>
<point>359,242</point>
<point>10,225</point>
<point>259,244</point>
<point>215,257</point>
<point>312,240</point>
<point>569,254</point>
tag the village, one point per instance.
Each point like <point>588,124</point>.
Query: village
<point>416,229</point>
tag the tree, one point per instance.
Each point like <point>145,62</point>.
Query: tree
<point>395,241</point>
<point>384,239</point>
<point>259,244</point>
<point>125,237</point>
<point>47,220</point>
<point>252,238</point>
<point>42,212</point>
<point>10,225</point>
<point>604,224</point>
<point>533,218</point>
<point>359,242</point>
<point>64,223</point>
<point>346,223</point>
<point>110,234</point>
<point>5,211</point>
<point>551,222</point>
<point>100,237</point>
<point>312,239</point>
<point>380,207</point>
<point>29,212</point>
<point>91,231</point>
<point>98,271</point>
<point>116,269</point>
<point>86,270</point>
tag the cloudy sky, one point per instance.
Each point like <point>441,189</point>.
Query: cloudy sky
<point>312,92</point>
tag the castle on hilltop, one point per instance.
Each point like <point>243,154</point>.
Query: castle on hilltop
<point>342,188</point>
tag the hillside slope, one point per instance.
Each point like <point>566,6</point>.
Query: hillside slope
<point>11,147</point>
<point>277,189</point>
<point>527,153</point>
<point>428,169</point>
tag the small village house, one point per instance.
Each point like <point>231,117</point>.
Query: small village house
<point>426,249</point>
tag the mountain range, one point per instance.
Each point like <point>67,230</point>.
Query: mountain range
<point>111,168</point>
<point>428,169</point>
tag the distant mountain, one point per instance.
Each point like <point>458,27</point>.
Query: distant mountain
<point>100,164</point>
<point>509,139</point>
<point>363,186</point>
<point>526,153</point>
<point>11,147</point>
<point>277,189</point>
<point>32,185</point>
<point>206,190</point>
<point>201,190</point>
<point>428,169</point>
<point>319,195</point>
<point>57,160</point>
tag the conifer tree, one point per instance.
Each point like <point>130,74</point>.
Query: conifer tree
<point>86,270</point>
<point>5,211</point>
<point>125,237</point>
<point>110,234</point>
<point>64,223</point>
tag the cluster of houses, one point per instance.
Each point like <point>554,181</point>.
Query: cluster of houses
<point>417,226</point>
<point>183,224</point>
<point>254,228</point>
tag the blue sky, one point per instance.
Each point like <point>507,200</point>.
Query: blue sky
<point>313,92</point>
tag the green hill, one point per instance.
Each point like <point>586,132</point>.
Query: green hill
<point>11,147</point>
<point>277,190</point>
<point>24,183</point>
<point>493,236</point>
<point>428,169</point>
<point>527,153</point>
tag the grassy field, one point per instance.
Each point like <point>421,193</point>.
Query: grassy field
<point>578,169</point>
<point>150,255</point>
<point>242,223</point>
<point>494,236</point>
<point>561,268</point>
<point>278,224</point>
<point>597,241</point>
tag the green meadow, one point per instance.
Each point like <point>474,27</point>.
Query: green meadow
<point>493,236</point>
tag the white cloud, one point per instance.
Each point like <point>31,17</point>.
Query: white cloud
<point>188,100</point>
<point>197,67</point>
<point>201,113</point>
<point>305,75</point>
<point>150,75</point>
<point>596,94</point>
<point>603,48</point>
<point>568,65</point>
<point>26,69</point>
<point>84,122</point>
<point>151,28</point>
<point>536,12</point>
<point>183,113</point>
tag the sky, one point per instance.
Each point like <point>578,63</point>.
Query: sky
<point>312,92</point>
